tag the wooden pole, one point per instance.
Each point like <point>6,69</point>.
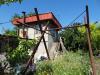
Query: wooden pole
<point>17,30</point>
<point>24,27</point>
<point>24,13</point>
<point>36,11</point>
<point>89,43</point>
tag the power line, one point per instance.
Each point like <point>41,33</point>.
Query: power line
<point>70,25</point>
<point>77,18</point>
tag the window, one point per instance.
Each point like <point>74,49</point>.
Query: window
<point>24,33</point>
<point>37,29</point>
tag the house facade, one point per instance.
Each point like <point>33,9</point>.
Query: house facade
<point>32,32</point>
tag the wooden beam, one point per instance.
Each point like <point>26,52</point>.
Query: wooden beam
<point>38,20</point>
<point>35,49</point>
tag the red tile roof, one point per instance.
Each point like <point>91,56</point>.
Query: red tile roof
<point>42,17</point>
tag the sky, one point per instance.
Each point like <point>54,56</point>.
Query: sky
<point>64,10</point>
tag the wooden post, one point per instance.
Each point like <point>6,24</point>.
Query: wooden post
<point>17,31</point>
<point>24,21</point>
<point>89,43</point>
<point>42,32</point>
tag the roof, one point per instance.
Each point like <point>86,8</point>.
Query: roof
<point>42,17</point>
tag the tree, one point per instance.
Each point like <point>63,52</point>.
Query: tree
<point>95,31</point>
<point>11,32</point>
<point>9,1</point>
<point>73,38</point>
<point>20,54</point>
<point>76,38</point>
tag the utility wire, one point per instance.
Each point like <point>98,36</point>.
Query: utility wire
<point>77,18</point>
<point>70,25</point>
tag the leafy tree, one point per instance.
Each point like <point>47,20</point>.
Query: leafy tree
<point>76,38</point>
<point>95,31</point>
<point>9,1</point>
<point>9,39</point>
<point>73,38</point>
<point>20,54</point>
<point>11,32</point>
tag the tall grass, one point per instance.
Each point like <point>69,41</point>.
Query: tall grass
<point>69,63</point>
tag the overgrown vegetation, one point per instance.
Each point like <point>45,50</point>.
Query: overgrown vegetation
<point>76,38</point>
<point>97,61</point>
<point>69,63</point>
<point>12,32</point>
<point>18,16</point>
<point>20,54</point>
<point>9,1</point>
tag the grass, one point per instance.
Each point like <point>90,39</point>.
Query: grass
<point>69,63</point>
<point>97,62</point>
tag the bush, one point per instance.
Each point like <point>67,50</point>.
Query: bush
<point>20,54</point>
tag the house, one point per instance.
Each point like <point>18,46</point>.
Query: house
<point>32,31</point>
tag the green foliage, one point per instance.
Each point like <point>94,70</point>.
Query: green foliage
<point>95,31</point>
<point>73,39</point>
<point>20,54</point>
<point>76,38</point>
<point>9,1</point>
<point>95,36</point>
<point>11,32</point>
<point>13,40</point>
<point>69,64</point>
<point>30,14</point>
<point>18,16</point>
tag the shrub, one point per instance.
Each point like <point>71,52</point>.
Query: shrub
<point>20,54</point>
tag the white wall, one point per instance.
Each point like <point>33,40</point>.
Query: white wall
<point>41,49</point>
<point>50,41</point>
<point>31,33</point>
